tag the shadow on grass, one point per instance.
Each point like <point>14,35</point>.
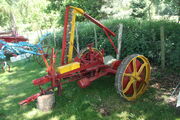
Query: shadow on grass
<point>77,103</point>
<point>97,102</point>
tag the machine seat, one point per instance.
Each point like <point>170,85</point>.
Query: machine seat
<point>108,60</point>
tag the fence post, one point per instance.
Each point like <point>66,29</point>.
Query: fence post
<point>95,37</point>
<point>40,35</point>
<point>162,47</point>
<point>27,35</point>
<point>54,37</point>
<point>77,39</point>
<point>119,40</point>
<point>37,32</point>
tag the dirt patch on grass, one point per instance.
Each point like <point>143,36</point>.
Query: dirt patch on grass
<point>166,83</point>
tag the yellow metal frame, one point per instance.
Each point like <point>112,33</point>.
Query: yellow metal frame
<point>78,10</point>
<point>134,77</point>
<point>68,67</point>
<point>73,22</point>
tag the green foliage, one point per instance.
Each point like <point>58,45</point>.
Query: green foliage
<point>89,6</point>
<point>138,9</point>
<point>28,15</point>
<point>4,13</point>
<point>3,19</point>
<point>33,15</point>
<point>57,37</point>
<point>142,37</point>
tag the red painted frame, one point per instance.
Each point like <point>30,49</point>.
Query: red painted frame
<point>107,31</point>
<point>92,66</point>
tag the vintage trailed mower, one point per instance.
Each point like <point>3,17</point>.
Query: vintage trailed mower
<point>132,73</point>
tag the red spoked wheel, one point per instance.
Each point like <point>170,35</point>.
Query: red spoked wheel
<point>132,76</point>
<point>91,55</point>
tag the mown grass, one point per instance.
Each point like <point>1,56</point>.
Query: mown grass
<point>97,102</point>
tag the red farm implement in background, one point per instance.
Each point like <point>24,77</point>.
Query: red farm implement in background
<point>11,37</point>
<point>132,73</point>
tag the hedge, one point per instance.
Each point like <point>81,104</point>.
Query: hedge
<point>142,37</point>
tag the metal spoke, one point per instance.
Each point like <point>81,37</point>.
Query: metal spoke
<point>128,74</point>
<point>134,65</point>
<point>134,89</point>
<point>141,68</point>
<point>128,85</point>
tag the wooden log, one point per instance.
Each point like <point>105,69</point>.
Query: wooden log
<point>46,102</point>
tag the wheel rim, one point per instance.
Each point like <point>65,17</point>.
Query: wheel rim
<point>135,78</point>
<point>87,54</point>
<point>46,53</point>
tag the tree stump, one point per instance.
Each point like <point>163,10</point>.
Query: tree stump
<point>46,102</point>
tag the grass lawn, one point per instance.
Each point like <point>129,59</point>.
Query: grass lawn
<point>97,102</point>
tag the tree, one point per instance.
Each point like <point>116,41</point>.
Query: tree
<point>4,13</point>
<point>140,9</point>
<point>89,6</point>
<point>26,15</point>
<point>175,7</point>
